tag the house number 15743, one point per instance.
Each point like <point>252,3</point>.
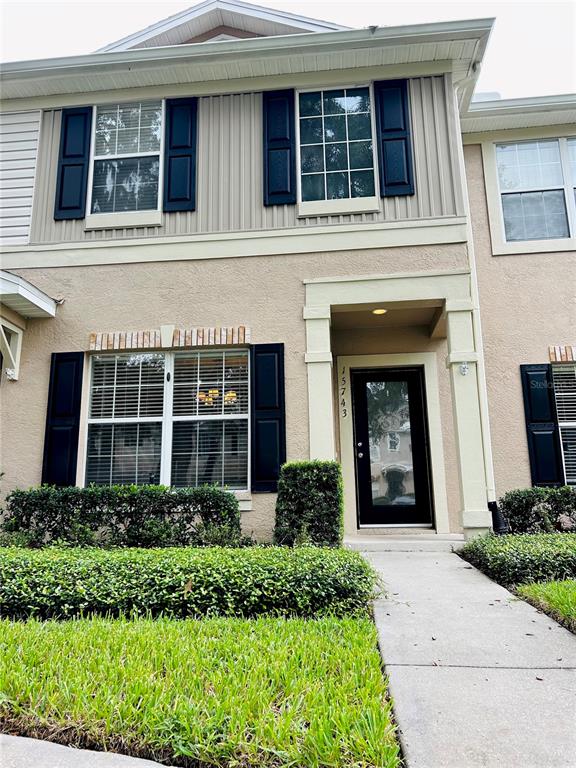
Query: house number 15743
<point>343,404</point>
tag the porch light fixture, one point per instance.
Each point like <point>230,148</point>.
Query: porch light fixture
<point>379,311</point>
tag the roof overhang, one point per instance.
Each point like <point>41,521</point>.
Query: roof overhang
<point>460,43</point>
<point>193,22</point>
<point>24,298</point>
<point>502,114</point>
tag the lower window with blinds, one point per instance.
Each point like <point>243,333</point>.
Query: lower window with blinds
<point>564,378</point>
<point>179,419</point>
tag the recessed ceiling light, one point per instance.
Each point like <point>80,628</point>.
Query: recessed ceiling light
<point>379,311</point>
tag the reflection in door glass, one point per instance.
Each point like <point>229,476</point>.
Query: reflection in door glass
<point>391,466</point>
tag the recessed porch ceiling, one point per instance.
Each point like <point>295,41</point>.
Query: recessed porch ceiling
<point>398,314</point>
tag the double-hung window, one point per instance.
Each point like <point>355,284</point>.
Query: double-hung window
<point>536,181</point>
<point>179,419</point>
<point>127,158</point>
<point>336,151</point>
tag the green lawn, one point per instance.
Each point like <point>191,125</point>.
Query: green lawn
<point>214,692</point>
<point>558,598</point>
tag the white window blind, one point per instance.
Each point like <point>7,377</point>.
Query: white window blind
<point>184,429</point>
<point>564,378</point>
<point>534,179</point>
<point>210,430</point>
<point>126,167</point>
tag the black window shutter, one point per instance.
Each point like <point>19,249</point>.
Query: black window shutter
<point>279,148</point>
<point>180,155</point>
<point>542,425</point>
<point>393,138</point>
<point>63,419</point>
<point>268,426</point>
<point>72,175</point>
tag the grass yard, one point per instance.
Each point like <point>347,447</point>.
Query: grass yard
<point>557,598</point>
<point>211,692</point>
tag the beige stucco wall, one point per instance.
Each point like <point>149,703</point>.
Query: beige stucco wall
<point>264,293</point>
<point>414,339</point>
<point>528,302</point>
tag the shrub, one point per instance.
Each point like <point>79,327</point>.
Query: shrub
<point>64,582</point>
<point>515,559</point>
<point>310,504</point>
<point>540,510</point>
<point>124,515</point>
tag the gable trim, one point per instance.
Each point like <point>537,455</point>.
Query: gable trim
<point>299,23</point>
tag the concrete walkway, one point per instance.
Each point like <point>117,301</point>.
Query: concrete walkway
<point>18,752</point>
<point>479,679</point>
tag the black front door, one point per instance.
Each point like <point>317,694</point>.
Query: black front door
<point>391,447</point>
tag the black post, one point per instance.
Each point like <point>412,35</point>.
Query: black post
<point>499,522</point>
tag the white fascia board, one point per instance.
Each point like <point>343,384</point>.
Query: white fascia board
<point>16,291</point>
<point>304,23</point>
<point>530,103</point>
<point>250,47</point>
<point>504,111</point>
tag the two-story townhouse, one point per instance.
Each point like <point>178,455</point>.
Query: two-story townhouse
<point>242,236</point>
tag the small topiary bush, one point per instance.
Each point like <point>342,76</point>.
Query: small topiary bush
<point>310,504</point>
<point>123,515</point>
<point>63,582</point>
<point>540,510</point>
<point>516,559</point>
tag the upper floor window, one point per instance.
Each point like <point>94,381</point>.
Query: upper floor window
<point>536,183</point>
<point>336,152</point>
<point>126,158</point>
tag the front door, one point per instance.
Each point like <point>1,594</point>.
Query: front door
<point>391,447</point>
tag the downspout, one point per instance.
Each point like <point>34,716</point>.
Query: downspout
<point>476,324</point>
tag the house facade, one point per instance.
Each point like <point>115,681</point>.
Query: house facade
<point>240,237</point>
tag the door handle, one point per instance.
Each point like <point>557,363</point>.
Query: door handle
<point>360,455</point>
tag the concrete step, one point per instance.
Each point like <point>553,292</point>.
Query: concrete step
<point>422,542</point>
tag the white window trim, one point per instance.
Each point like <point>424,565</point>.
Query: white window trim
<point>348,204</point>
<point>500,246</point>
<point>167,421</point>
<point>11,350</point>
<point>121,219</point>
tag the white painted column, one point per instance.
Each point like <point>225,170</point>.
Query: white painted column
<point>319,370</point>
<point>462,362</point>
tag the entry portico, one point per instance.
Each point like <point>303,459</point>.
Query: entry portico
<point>447,296</point>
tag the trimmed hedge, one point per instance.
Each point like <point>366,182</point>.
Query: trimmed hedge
<point>63,583</point>
<point>540,510</point>
<point>123,515</point>
<point>310,504</point>
<point>517,559</point>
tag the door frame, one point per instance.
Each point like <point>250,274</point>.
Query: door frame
<point>427,360</point>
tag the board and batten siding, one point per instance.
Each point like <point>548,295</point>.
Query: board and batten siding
<point>229,194</point>
<point>19,132</point>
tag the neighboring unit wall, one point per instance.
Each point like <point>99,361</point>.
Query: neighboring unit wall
<point>19,133</point>
<point>265,293</point>
<point>528,302</point>
<point>230,173</point>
